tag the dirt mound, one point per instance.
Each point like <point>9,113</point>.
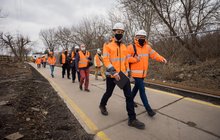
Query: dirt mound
<point>203,76</point>
<point>30,106</point>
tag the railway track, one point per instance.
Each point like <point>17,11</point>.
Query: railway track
<point>215,99</point>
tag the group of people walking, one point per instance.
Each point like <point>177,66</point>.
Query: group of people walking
<point>131,60</point>
<point>117,58</point>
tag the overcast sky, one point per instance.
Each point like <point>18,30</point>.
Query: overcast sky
<point>28,17</point>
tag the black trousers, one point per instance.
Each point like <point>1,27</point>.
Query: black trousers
<point>110,85</point>
<point>64,68</point>
<point>74,71</point>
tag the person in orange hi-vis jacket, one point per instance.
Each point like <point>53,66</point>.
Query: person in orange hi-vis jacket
<point>139,53</point>
<point>98,62</point>
<point>38,62</point>
<point>44,61</point>
<point>51,61</point>
<point>83,61</point>
<point>115,60</point>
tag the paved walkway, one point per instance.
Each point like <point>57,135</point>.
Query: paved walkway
<point>178,118</point>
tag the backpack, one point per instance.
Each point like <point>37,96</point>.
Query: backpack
<point>135,53</point>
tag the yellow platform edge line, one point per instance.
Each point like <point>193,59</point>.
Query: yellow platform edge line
<point>201,102</point>
<point>101,135</point>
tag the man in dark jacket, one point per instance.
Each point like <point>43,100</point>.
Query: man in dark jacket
<point>65,61</point>
<point>73,64</point>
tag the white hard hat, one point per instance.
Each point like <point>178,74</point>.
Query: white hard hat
<point>76,47</point>
<point>98,50</point>
<point>141,32</point>
<point>119,26</point>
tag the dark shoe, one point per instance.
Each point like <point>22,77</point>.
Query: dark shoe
<point>73,81</point>
<point>62,76</point>
<point>104,79</point>
<point>103,110</point>
<point>87,90</point>
<point>80,87</point>
<point>135,104</point>
<point>52,76</point>
<point>137,124</point>
<point>151,113</point>
<point>68,77</point>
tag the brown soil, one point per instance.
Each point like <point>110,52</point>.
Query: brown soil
<point>33,108</point>
<point>204,77</point>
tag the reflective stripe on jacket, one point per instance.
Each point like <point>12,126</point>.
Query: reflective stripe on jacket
<point>115,56</point>
<point>139,69</point>
<point>83,59</point>
<point>51,60</point>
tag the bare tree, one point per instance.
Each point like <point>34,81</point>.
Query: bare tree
<point>49,38</point>
<point>90,32</point>
<point>17,45</point>
<point>139,14</point>
<point>63,37</point>
<point>188,17</point>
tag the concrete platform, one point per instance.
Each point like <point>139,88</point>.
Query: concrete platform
<point>177,117</point>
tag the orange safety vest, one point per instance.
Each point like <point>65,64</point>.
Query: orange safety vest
<point>72,56</point>
<point>63,58</point>
<point>83,59</point>
<point>44,59</point>
<point>51,60</point>
<point>139,68</point>
<point>38,60</point>
<point>115,56</point>
<point>97,61</point>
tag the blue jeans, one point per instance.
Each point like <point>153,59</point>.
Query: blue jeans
<point>139,85</point>
<point>52,69</point>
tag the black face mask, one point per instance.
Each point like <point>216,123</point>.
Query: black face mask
<point>77,50</point>
<point>65,53</point>
<point>118,36</point>
<point>141,41</point>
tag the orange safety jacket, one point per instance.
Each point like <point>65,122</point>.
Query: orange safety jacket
<point>63,58</point>
<point>72,56</point>
<point>51,60</point>
<point>38,60</point>
<point>139,68</point>
<point>115,57</point>
<point>43,59</point>
<point>83,59</point>
<point>97,61</point>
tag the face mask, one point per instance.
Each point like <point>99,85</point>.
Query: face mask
<point>77,50</point>
<point>65,53</point>
<point>141,41</point>
<point>118,36</point>
<point>83,49</point>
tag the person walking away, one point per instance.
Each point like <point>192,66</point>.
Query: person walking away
<point>73,64</point>
<point>139,54</point>
<point>115,60</point>
<point>83,59</point>
<point>44,61</point>
<point>98,62</point>
<point>51,61</point>
<point>64,62</point>
<point>38,62</point>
